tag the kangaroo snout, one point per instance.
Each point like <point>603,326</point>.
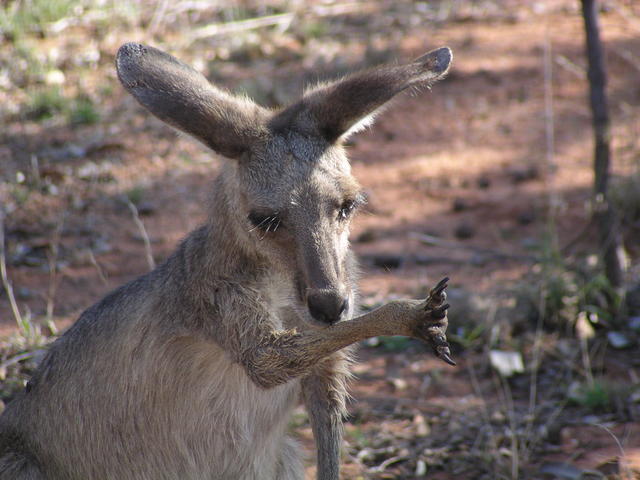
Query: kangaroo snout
<point>327,306</point>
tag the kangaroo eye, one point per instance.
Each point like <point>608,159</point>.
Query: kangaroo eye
<point>346,209</point>
<point>265,222</point>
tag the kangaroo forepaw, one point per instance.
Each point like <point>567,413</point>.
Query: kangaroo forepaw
<point>432,331</point>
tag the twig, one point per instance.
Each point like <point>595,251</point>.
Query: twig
<point>441,242</point>
<point>389,461</point>
<point>158,17</point>
<point>18,358</point>
<point>193,6</point>
<point>577,70</point>
<point>626,14</point>
<point>623,456</point>
<point>281,19</point>
<point>513,425</point>
<point>628,57</point>
<point>5,278</point>
<point>343,9</point>
<point>35,168</point>
<point>579,236</point>
<point>143,232</point>
<point>95,263</point>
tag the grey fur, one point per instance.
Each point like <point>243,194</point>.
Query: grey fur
<point>192,370</point>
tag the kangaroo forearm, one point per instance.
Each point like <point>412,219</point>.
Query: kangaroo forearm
<point>394,318</point>
<point>289,355</point>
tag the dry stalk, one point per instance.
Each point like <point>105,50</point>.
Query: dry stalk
<point>549,129</point>
<point>53,271</point>
<point>475,385</point>
<point>282,20</point>
<point>94,262</point>
<point>143,232</point>
<point>5,278</point>
<point>158,17</point>
<point>625,470</point>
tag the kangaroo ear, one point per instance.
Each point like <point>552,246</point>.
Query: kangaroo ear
<point>343,107</point>
<point>183,98</point>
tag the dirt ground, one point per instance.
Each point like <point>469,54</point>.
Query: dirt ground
<point>466,180</point>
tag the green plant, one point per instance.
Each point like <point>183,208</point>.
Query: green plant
<point>600,395</point>
<point>394,344</point>
<point>559,290</point>
<point>469,336</point>
<point>46,103</point>
<point>315,29</point>
<point>357,436</point>
<point>135,194</point>
<point>83,112</point>
<point>18,18</point>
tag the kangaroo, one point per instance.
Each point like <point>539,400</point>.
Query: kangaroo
<point>192,370</point>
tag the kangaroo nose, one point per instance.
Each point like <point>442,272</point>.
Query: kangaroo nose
<point>326,306</point>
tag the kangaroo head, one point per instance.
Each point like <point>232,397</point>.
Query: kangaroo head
<point>290,186</point>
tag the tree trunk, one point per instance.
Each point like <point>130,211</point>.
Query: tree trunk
<point>605,215</point>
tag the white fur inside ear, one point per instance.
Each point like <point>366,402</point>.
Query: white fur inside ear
<point>361,124</point>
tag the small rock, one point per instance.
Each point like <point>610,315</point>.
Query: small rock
<point>633,299</point>
<point>574,392</point>
<point>464,231</point>
<point>54,77</point>
<point>530,243</point>
<point>460,204</point>
<point>618,340</point>
<point>478,260</point>
<point>634,323</point>
<point>584,328</point>
<point>562,470</point>
<point>519,175</point>
<point>526,218</point>
<point>23,293</point>
<point>100,246</point>
<point>421,468</point>
<point>367,236</point>
<point>506,363</point>
<point>422,427</point>
<point>483,182</point>
<point>399,384</point>
<point>372,342</point>
<point>389,261</point>
<point>146,208</point>
<point>498,417</point>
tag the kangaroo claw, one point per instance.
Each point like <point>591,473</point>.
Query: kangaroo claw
<point>444,353</point>
<point>440,312</point>
<point>437,295</point>
<point>435,334</point>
